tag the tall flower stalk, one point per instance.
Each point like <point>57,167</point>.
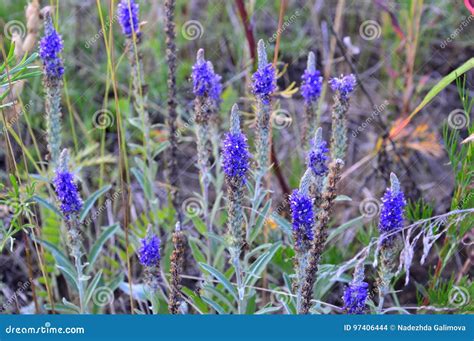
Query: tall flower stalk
<point>303,221</point>
<point>320,235</point>
<point>50,48</point>
<point>235,162</point>
<point>311,86</point>
<point>264,84</point>
<point>128,16</point>
<point>176,269</point>
<point>206,88</point>
<point>70,204</point>
<point>172,164</point>
<point>150,256</point>
<point>390,224</point>
<point>343,87</point>
<point>304,209</point>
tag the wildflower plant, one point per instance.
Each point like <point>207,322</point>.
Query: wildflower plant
<point>311,86</point>
<point>128,17</point>
<point>303,219</point>
<point>149,255</point>
<point>264,84</point>
<point>320,235</point>
<point>390,224</point>
<point>235,163</point>
<point>70,205</point>
<point>207,89</point>
<point>50,48</point>
<point>343,88</point>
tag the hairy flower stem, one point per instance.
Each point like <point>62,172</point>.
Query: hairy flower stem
<point>235,156</point>
<point>235,197</point>
<point>176,269</point>
<point>320,235</point>
<point>302,247</point>
<point>140,97</point>
<point>75,249</point>
<point>339,128</point>
<point>311,122</point>
<point>387,269</point>
<point>202,116</point>
<point>53,114</point>
<point>172,166</point>
<point>263,152</point>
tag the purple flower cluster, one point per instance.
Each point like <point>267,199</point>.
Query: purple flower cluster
<point>149,253</point>
<point>302,215</point>
<point>128,17</point>
<point>392,212</point>
<point>50,47</point>
<point>355,297</point>
<point>235,155</point>
<point>67,193</point>
<point>205,81</point>
<point>345,85</point>
<point>318,158</point>
<point>264,82</point>
<point>311,85</point>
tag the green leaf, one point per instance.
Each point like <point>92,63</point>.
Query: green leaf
<point>443,83</point>
<point>60,257</point>
<point>200,226</point>
<point>267,310</point>
<point>284,224</point>
<point>260,221</point>
<point>63,308</point>
<point>216,292</point>
<point>199,304</point>
<point>198,255</point>
<point>71,275</point>
<point>260,263</point>
<point>342,197</point>
<point>221,278</point>
<point>47,205</point>
<point>143,181</point>
<point>99,243</point>
<point>92,287</point>
<point>342,228</point>
<point>89,203</point>
<point>214,305</point>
